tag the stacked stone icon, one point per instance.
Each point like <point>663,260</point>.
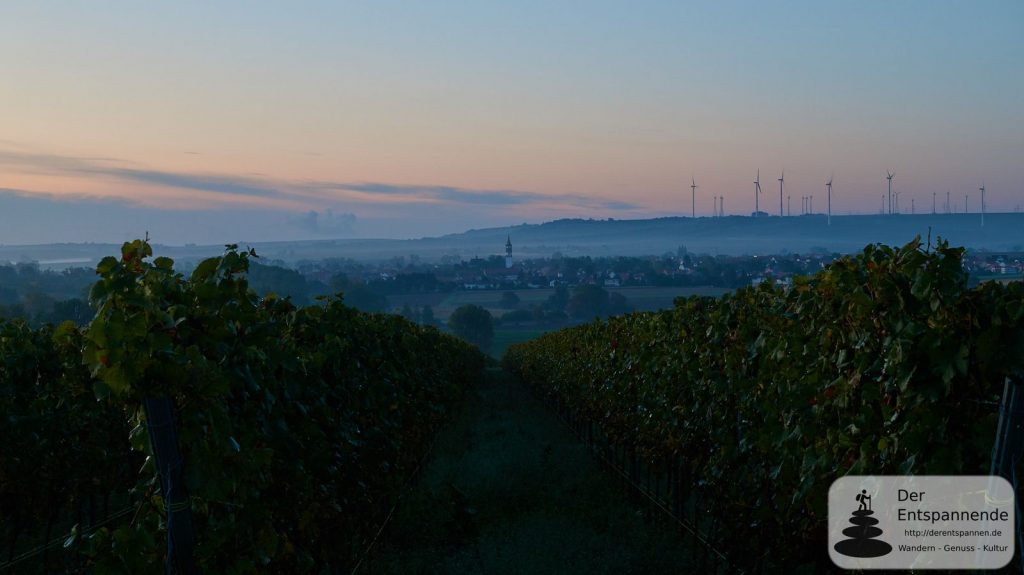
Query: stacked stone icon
<point>862,542</point>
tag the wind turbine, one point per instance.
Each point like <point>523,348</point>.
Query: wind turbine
<point>757,193</point>
<point>949,206</point>
<point>982,188</point>
<point>829,186</point>
<point>888,176</point>
<point>933,203</point>
<point>782,181</point>
<point>693,197</point>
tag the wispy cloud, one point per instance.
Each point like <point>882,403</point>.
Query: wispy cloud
<point>51,164</point>
<point>477,196</point>
<point>204,183</point>
<point>312,193</point>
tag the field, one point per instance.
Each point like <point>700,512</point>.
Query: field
<point>640,298</point>
<point>443,304</point>
<point>506,336</point>
<point>1003,278</point>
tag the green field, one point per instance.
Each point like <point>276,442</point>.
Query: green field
<point>640,298</point>
<point>443,304</point>
<point>504,337</point>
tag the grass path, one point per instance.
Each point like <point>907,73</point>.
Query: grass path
<point>510,491</point>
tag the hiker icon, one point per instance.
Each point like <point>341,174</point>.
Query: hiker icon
<point>865,500</point>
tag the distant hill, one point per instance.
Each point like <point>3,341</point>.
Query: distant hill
<point>739,235</point>
<point>733,235</point>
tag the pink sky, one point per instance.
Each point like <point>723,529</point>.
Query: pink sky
<point>457,116</point>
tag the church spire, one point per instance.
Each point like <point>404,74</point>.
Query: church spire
<point>508,252</point>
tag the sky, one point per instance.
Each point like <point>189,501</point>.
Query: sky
<point>211,122</point>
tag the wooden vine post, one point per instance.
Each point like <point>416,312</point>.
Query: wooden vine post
<point>1009,445</point>
<point>170,467</point>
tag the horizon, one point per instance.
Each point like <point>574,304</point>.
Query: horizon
<point>503,229</point>
<point>732,236</point>
<point>205,124</point>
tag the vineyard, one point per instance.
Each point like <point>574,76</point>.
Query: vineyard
<point>297,426</point>
<point>882,363</point>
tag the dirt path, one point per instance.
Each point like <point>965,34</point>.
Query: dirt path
<point>509,490</point>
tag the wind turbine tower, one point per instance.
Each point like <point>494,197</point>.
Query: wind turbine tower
<point>829,186</point>
<point>888,176</point>
<point>982,188</point>
<point>782,181</point>
<point>757,193</point>
<point>693,197</point>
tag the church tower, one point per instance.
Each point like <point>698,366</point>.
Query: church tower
<point>508,253</point>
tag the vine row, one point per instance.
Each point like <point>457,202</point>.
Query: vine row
<point>297,425</point>
<point>882,363</point>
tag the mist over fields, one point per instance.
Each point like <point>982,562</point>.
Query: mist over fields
<point>731,235</point>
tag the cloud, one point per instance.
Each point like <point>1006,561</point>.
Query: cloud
<point>479,196</point>
<point>326,223</point>
<point>82,166</point>
<point>204,183</point>
<point>309,193</point>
